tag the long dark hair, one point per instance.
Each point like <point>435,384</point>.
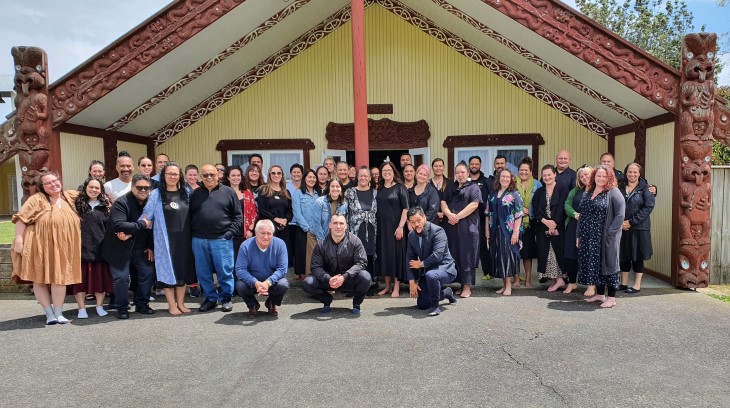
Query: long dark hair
<point>303,184</point>
<point>341,197</point>
<point>82,201</point>
<point>244,181</point>
<point>396,175</point>
<point>248,179</point>
<point>162,186</point>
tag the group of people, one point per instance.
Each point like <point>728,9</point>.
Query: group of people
<point>340,228</point>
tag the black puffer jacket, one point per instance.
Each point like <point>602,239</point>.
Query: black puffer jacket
<point>347,258</point>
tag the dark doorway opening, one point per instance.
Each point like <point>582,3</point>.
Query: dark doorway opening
<point>377,157</point>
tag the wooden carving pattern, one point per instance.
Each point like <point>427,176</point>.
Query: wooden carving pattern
<point>265,144</point>
<point>498,68</point>
<point>597,46</point>
<point>696,124</point>
<point>382,134</point>
<point>207,66</point>
<point>721,130</point>
<point>28,131</point>
<point>255,74</point>
<point>536,60</point>
<point>181,21</point>
<point>640,143</point>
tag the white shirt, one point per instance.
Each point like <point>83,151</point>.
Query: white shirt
<point>117,188</point>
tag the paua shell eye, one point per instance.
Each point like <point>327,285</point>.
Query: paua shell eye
<point>689,55</point>
<point>703,265</point>
<point>684,263</point>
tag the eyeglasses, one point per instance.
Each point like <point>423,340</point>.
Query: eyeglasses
<point>48,183</point>
<point>208,175</point>
<point>173,174</point>
<point>275,173</point>
<point>142,188</point>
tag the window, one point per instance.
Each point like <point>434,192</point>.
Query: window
<point>514,155</point>
<point>284,158</point>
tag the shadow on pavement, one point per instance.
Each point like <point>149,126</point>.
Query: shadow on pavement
<point>244,319</point>
<point>316,315</point>
<point>411,311</point>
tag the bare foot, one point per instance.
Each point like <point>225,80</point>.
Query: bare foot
<point>571,287</point>
<point>384,292</point>
<point>500,291</point>
<point>589,293</point>
<point>298,277</point>
<point>516,285</point>
<point>507,292</point>
<point>465,294</point>
<point>528,285</point>
<point>183,309</point>
<point>395,294</point>
<point>609,303</point>
<point>174,310</point>
<point>596,298</point>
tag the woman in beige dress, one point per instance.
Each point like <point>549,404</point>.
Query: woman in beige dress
<point>47,245</point>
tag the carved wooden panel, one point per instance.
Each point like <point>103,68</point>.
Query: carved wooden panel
<point>693,188</point>
<point>177,23</point>
<point>380,108</point>
<point>383,134</point>
<point>265,144</point>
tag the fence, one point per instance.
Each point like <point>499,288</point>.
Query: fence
<point>720,255</point>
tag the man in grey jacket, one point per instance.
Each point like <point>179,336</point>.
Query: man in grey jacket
<point>338,262</point>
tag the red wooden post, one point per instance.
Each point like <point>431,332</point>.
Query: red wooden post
<point>359,83</point>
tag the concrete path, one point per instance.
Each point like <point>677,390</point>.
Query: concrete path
<point>664,347</point>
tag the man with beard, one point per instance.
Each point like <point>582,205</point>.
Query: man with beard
<point>122,184</point>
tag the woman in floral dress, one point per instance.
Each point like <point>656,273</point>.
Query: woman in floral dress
<point>504,228</point>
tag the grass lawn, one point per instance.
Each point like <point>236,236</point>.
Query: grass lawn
<point>7,232</point>
<point>723,298</point>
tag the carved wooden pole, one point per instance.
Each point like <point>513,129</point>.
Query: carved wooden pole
<point>31,130</point>
<point>693,155</point>
<point>362,151</point>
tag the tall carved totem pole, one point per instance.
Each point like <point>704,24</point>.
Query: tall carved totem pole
<point>696,123</point>
<point>28,131</point>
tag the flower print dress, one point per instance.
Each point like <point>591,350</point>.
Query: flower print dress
<point>503,212</point>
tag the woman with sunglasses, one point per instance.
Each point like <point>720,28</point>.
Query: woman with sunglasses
<point>274,203</point>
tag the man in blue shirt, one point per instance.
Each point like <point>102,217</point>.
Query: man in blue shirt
<point>261,268</point>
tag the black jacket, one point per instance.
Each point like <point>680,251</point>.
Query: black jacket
<point>486,187</point>
<point>123,218</point>
<point>93,228</point>
<point>215,213</point>
<point>346,258</point>
<point>639,205</point>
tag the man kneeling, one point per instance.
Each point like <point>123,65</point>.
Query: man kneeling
<point>430,263</point>
<point>338,262</point>
<point>261,268</point>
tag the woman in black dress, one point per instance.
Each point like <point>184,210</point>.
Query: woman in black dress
<point>274,203</point>
<point>166,212</point>
<point>572,204</point>
<point>636,237</point>
<point>392,202</point>
<point>442,184</point>
<point>599,236</point>
<point>362,207</point>
<point>461,223</point>
<point>423,194</point>
<point>548,209</point>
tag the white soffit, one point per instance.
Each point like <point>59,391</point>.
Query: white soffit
<point>179,62</point>
<point>559,58</point>
<point>235,65</point>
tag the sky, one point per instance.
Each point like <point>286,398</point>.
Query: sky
<point>72,31</point>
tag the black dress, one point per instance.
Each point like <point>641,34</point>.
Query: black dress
<point>179,238</point>
<point>464,236</point>
<point>550,249</point>
<point>391,253</point>
<point>276,205</point>
<point>429,200</point>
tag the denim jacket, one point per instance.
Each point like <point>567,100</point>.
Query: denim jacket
<point>304,209</point>
<point>322,214</point>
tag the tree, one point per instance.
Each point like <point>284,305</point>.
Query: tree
<point>720,152</point>
<point>657,26</point>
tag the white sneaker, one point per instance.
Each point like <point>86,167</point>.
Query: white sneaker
<point>82,314</point>
<point>152,298</point>
<point>101,311</point>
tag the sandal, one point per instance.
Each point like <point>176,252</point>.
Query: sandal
<point>632,290</point>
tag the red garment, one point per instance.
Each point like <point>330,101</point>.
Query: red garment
<point>249,211</point>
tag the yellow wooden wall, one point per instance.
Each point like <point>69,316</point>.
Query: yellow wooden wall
<point>625,152</point>
<point>76,154</point>
<point>421,77</point>
<point>659,171</point>
<point>7,170</point>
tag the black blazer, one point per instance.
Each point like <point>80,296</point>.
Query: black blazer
<point>123,218</point>
<point>557,207</point>
<point>435,253</point>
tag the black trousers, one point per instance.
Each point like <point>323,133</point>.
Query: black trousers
<point>138,264</point>
<point>484,257</point>
<point>571,268</point>
<point>358,284</point>
<point>299,244</point>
